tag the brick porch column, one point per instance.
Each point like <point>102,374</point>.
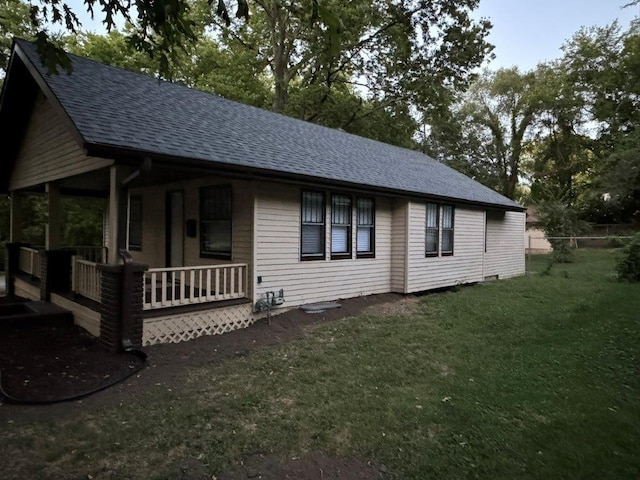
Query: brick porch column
<point>12,265</point>
<point>121,312</point>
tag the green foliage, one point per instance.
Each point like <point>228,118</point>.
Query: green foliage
<point>483,134</point>
<point>629,265</point>
<point>14,22</point>
<point>82,225</point>
<point>560,220</point>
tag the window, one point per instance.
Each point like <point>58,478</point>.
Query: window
<point>447,230</point>
<point>439,231</point>
<point>215,222</point>
<point>135,223</point>
<point>341,226</point>
<point>432,233</point>
<point>312,231</point>
<point>365,235</point>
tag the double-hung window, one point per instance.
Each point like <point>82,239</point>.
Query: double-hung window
<point>341,226</point>
<point>365,234</point>
<point>433,230</point>
<point>135,223</point>
<point>439,230</point>
<point>313,226</point>
<point>215,221</point>
<point>447,230</point>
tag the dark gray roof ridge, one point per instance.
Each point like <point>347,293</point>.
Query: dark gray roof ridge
<point>113,107</point>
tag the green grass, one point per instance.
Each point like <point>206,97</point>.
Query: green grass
<point>534,377</point>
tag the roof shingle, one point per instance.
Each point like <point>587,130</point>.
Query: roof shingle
<point>116,108</point>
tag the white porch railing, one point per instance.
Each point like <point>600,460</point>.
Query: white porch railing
<point>168,287</point>
<point>30,261</point>
<point>85,279</point>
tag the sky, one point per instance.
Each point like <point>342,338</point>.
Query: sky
<point>528,32</point>
<point>525,32</point>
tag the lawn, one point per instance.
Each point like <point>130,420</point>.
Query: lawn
<point>534,377</point>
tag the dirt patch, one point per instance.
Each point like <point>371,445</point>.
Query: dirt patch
<point>167,364</point>
<point>310,467</point>
<point>56,360</point>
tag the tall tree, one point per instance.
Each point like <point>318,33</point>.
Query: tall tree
<point>484,133</point>
<point>14,22</point>
<point>395,51</point>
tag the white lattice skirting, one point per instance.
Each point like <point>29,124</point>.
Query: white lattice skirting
<point>180,327</point>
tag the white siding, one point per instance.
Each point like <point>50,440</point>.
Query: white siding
<point>277,225</point>
<point>49,151</point>
<point>505,245</point>
<point>464,266</point>
<point>153,230</point>
<point>399,246</point>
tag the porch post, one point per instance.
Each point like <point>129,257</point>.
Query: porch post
<point>53,228</point>
<point>121,312</point>
<point>15,229</point>
<point>117,215</point>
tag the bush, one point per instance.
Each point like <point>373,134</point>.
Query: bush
<point>560,220</point>
<point>629,265</point>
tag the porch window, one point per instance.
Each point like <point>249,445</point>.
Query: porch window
<point>312,226</point>
<point>432,233</point>
<point>215,222</point>
<point>447,230</point>
<point>341,226</point>
<point>365,234</point>
<point>135,223</point>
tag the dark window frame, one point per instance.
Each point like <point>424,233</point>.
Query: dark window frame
<point>372,227</point>
<point>203,221</point>
<point>349,253</point>
<point>321,255</point>
<point>133,245</point>
<point>451,229</point>
<point>435,253</point>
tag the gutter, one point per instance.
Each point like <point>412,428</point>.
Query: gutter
<point>131,156</point>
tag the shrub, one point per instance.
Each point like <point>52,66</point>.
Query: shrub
<point>629,265</point>
<point>560,220</point>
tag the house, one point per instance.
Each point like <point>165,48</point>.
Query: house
<point>535,239</point>
<point>219,213</point>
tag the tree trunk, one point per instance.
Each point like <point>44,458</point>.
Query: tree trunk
<point>280,56</point>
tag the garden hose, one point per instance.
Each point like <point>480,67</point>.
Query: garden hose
<point>20,401</point>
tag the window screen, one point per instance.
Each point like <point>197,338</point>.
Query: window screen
<point>312,228</point>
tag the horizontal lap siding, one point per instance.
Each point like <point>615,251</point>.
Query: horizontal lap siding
<point>505,245</point>
<point>464,266</point>
<point>49,151</point>
<point>278,261</point>
<point>153,230</point>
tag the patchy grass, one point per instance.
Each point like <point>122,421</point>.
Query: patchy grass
<point>534,377</point>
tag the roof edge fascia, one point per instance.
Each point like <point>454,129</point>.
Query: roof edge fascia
<point>48,93</point>
<point>131,156</point>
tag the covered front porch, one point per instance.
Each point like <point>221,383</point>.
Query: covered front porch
<point>125,291</point>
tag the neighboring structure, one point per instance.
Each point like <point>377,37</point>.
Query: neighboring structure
<point>535,239</point>
<point>227,209</point>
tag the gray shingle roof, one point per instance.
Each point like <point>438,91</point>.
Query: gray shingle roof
<point>116,108</point>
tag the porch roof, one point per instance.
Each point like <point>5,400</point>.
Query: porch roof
<point>118,114</point>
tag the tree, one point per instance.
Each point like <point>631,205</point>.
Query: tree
<point>603,65</point>
<point>14,22</point>
<point>161,27</point>
<point>561,152</point>
<point>483,134</point>
<point>396,51</point>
